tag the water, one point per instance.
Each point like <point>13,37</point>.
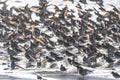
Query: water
<point>67,78</point>
<point>76,78</point>
<point>56,77</point>
<point>5,77</point>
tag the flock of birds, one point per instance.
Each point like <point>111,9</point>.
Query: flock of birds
<point>59,38</point>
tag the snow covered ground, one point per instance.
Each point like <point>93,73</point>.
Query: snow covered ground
<point>98,74</point>
<point>30,74</point>
<point>53,75</point>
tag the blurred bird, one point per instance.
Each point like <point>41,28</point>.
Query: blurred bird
<point>68,53</point>
<point>108,59</point>
<point>69,0</point>
<point>115,75</point>
<point>78,6</point>
<point>13,64</point>
<point>99,2</point>
<point>75,63</point>
<point>117,54</point>
<point>39,64</point>
<point>83,71</point>
<point>70,61</point>
<point>83,1</point>
<point>36,32</point>
<point>62,68</point>
<point>50,59</point>
<point>14,58</point>
<point>40,78</point>
<point>85,59</point>
<point>53,54</point>
<point>59,58</point>
<point>11,52</point>
<point>114,8</point>
<point>49,47</point>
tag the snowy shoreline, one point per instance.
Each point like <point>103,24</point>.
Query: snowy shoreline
<point>53,74</point>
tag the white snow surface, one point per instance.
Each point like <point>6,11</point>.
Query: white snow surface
<point>30,74</point>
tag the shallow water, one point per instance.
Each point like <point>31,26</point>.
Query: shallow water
<point>4,77</point>
<point>57,75</point>
<point>77,78</point>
